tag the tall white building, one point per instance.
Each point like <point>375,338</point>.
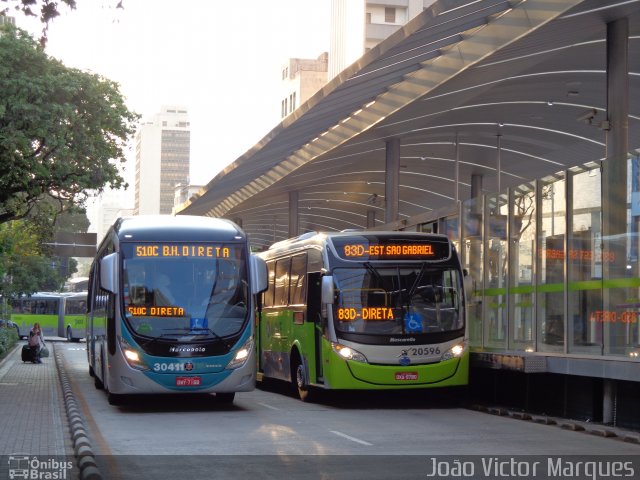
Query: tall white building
<point>301,78</point>
<point>359,25</point>
<point>162,160</point>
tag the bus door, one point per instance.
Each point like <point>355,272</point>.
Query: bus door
<point>314,314</point>
<point>269,326</point>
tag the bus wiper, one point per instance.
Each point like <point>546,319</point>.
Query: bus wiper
<point>163,336</point>
<point>416,282</point>
<point>371,269</point>
<point>204,331</point>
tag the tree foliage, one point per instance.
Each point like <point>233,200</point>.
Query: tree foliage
<point>23,268</point>
<point>62,131</point>
<point>27,263</point>
<point>45,10</point>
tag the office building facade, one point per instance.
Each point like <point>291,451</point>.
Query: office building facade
<point>162,160</point>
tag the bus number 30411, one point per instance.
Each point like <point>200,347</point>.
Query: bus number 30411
<point>168,367</point>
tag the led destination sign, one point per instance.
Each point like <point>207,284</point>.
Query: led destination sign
<point>182,250</point>
<point>364,313</point>
<point>378,248</point>
<point>156,311</point>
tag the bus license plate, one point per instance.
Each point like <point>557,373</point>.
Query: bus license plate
<point>188,381</point>
<point>406,375</point>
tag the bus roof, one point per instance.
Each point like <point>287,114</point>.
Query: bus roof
<point>150,228</point>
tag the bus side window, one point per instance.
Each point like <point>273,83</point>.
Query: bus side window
<point>267,296</point>
<point>298,279</point>
<point>282,282</point>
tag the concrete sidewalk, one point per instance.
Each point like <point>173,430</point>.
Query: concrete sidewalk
<point>33,420</point>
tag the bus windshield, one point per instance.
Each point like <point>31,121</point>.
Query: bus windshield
<point>185,292</point>
<point>398,300</point>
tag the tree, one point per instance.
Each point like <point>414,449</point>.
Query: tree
<point>62,131</point>
<point>23,268</point>
<point>45,10</point>
<point>27,263</point>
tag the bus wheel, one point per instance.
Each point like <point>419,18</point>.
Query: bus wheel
<point>225,398</point>
<point>114,399</point>
<point>300,381</point>
<point>97,382</point>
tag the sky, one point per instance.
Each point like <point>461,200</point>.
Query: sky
<point>220,59</point>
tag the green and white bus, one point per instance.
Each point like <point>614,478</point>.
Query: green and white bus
<point>59,314</point>
<point>363,311</point>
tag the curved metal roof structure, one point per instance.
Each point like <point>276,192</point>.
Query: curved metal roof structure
<point>464,83</point>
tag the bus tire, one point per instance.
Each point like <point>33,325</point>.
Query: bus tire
<point>225,398</point>
<point>115,399</point>
<point>299,379</point>
<point>97,383</point>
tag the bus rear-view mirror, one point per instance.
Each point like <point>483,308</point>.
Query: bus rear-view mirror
<point>327,289</point>
<point>108,273</point>
<point>259,274</point>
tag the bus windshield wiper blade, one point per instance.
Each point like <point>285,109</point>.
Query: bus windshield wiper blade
<point>203,331</point>
<point>163,336</point>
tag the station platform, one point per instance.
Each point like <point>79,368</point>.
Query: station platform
<point>34,421</point>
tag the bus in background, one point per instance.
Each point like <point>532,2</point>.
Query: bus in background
<point>46,308</point>
<point>368,310</point>
<point>74,321</point>
<point>59,314</point>
<point>171,308</point>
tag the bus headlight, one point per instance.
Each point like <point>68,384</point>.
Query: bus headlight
<point>131,355</point>
<point>241,355</point>
<point>454,352</point>
<point>348,353</point>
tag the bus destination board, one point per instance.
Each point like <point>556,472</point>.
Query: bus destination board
<point>380,248</point>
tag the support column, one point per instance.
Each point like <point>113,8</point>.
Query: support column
<point>499,164</point>
<point>476,185</point>
<point>293,214</point>
<point>609,402</point>
<point>392,181</point>
<point>371,218</point>
<point>614,169</point>
<point>614,185</point>
<point>457,190</point>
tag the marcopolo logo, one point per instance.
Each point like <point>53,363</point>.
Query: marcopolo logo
<point>27,467</point>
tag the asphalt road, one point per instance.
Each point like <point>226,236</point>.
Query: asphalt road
<point>268,433</point>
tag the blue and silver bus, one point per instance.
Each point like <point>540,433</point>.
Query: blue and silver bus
<point>171,308</point>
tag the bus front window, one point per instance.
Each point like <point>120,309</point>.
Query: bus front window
<point>397,300</point>
<point>185,292</point>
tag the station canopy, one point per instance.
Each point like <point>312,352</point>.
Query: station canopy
<point>516,87</point>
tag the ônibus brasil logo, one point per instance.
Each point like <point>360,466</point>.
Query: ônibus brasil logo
<point>24,466</point>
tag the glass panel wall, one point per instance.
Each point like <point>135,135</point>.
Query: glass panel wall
<point>542,276</point>
<point>585,263</point>
<point>619,315</point>
<point>495,270</point>
<point>632,317</point>
<point>472,262</point>
<point>521,267</point>
<point>551,279</point>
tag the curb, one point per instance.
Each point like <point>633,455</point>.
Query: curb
<point>563,423</point>
<point>81,443</point>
